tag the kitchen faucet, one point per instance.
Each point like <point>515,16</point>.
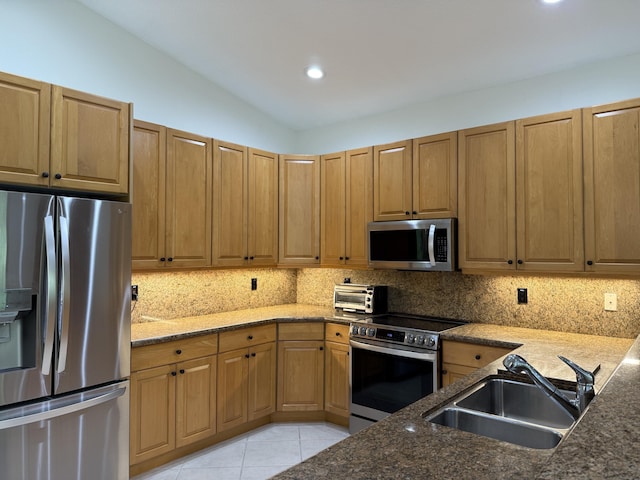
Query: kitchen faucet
<point>584,390</point>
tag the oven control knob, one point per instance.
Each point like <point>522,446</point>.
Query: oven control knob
<point>411,338</point>
<point>354,329</point>
<point>431,341</point>
<point>371,332</point>
<point>363,331</point>
<point>420,340</point>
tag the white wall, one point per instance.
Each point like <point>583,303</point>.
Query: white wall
<point>593,84</point>
<point>65,43</point>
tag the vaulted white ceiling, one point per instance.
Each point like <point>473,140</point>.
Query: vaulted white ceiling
<point>379,55</point>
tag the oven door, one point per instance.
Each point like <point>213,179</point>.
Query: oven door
<point>385,379</point>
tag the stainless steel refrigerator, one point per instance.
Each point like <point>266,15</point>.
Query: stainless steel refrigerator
<point>65,296</point>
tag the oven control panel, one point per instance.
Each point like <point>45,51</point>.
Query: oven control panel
<point>413,338</point>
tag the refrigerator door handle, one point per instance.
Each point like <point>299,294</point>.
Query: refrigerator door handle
<point>58,412</point>
<point>65,292</point>
<point>50,259</point>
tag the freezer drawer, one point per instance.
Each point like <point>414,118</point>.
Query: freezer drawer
<point>75,437</point>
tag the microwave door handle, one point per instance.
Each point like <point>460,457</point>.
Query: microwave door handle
<point>66,291</point>
<point>432,237</point>
<point>50,289</point>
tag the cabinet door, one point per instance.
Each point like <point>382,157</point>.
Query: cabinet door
<point>612,187</point>
<point>24,130</point>
<point>188,202</point>
<point>299,240</point>
<point>230,204</point>
<point>549,193</point>
<point>435,176</point>
<point>148,200</point>
<point>359,204</point>
<point>195,400</point>
<point>452,372</point>
<point>392,185</point>
<point>152,415</point>
<point>333,185</point>
<point>262,237</point>
<point>300,376</point>
<point>262,380</point>
<point>89,142</point>
<point>233,368</point>
<point>337,378</point>
<point>486,189</point>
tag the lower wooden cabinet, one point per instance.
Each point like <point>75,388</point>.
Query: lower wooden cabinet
<point>172,404</point>
<point>246,375</point>
<point>300,367</point>
<point>336,369</point>
<point>461,358</point>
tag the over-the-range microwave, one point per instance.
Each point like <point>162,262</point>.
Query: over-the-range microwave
<point>427,245</point>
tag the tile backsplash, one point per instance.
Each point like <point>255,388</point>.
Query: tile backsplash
<point>554,303</point>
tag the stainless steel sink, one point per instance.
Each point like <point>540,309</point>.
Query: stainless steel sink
<point>500,428</point>
<point>518,401</point>
<point>508,410</point>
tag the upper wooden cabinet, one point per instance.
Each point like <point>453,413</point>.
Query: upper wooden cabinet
<point>612,187</point>
<point>172,178</point>
<point>347,206</point>
<point>299,219</point>
<point>486,189</point>
<point>525,174</point>
<point>435,176</point>
<point>57,137</point>
<point>392,182</point>
<point>245,221</point>
<point>24,144</point>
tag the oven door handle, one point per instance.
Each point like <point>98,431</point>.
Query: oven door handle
<point>431,356</point>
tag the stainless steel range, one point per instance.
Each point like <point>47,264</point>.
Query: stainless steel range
<point>395,361</point>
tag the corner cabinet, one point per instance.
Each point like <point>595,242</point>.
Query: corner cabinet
<point>299,210</point>
<point>245,206</point>
<point>173,393</point>
<point>300,367</point>
<point>612,187</point>
<point>172,201</point>
<point>66,139</point>
<point>347,207</point>
<point>460,358</point>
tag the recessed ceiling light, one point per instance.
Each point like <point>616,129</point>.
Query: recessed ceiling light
<point>314,72</point>
<point>551,1</point>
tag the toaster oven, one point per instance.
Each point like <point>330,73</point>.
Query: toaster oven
<point>367,299</point>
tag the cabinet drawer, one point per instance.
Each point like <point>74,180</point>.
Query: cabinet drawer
<point>172,352</point>
<point>337,333</point>
<point>470,354</point>
<point>301,331</point>
<point>246,337</point>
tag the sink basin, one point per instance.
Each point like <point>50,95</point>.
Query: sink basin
<point>507,410</point>
<point>517,400</point>
<point>500,428</point>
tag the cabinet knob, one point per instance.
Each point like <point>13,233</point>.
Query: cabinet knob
<point>444,372</point>
<point>162,259</point>
<point>170,259</point>
<point>589,262</point>
<point>173,374</point>
<point>321,348</point>
<point>178,352</point>
<point>338,334</point>
<point>478,357</point>
<point>341,258</point>
<point>45,174</point>
<point>317,257</point>
<point>415,213</point>
<point>251,257</point>
<point>253,354</point>
<point>346,258</point>
<point>406,213</point>
<point>246,355</point>
<point>246,258</point>
<point>58,176</point>
<point>520,262</point>
<point>510,262</point>
<point>250,337</point>
<point>181,371</point>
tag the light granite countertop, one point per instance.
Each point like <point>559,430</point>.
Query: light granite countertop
<point>603,444</point>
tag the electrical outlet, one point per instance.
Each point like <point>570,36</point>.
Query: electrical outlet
<point>522,295</point>
<point>134,293</point>
<point>610,302</point>
<point>254,284</point>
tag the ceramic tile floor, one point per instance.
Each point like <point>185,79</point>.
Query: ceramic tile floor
<point>256,455</point>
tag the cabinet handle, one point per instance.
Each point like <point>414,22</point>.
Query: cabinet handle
<point>478,357</point>
<point>250,337</point>
<point>589,262</point>
<point>510,262</point>
<point>406,213</point>
<point>170,259</point>
<point>321,348</point>
<point>173,374</point>
<point>58,176</point>
<point>338,334</point>
<point>246,355</point>
<point>181,371</point>
<point>317,257</point>
<point>178,352</point>
<point>162,259</point>
<point>246,258</point>
<point>251,257</point>
<point>415,213</point>
<point>341,258</point>
<point>346,258</point>
<point>519,262</point>
<point>253,354</point>
<point>45,174</point>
